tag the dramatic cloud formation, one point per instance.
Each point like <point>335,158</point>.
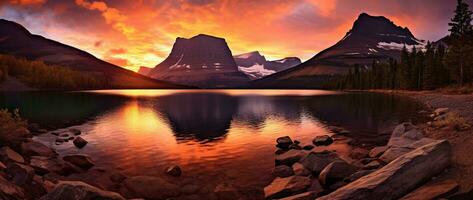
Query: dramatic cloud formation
<point>142,32</point>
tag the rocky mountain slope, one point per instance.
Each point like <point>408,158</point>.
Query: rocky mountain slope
<point>18,41</point>
<point>203,61</point>
<point>255,65</point>
<point>371,38</point>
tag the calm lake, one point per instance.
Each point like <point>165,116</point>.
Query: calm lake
<point>214,135</point>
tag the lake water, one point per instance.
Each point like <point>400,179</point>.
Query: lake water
<point>214,135</point>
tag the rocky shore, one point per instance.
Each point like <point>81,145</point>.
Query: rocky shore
<point>408,165</point>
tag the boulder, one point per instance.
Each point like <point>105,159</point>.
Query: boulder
<point>79,142</point>
<point>377,151</point>
<point>76,190</point>
<point>174,171</point>
<point>304,196</point>
<point>300,170</point>
<point>149,187</point>
<point>34,148</point>
<point>433,190</point>
<point>79,160</point>
<point>375,164</point>
<point>284,142</point>
<point>359,153</point>
<point>335,172</point>
<point>323,140</point>
<point>8,154</point>
<point>357,175</point>
<point>225,191</point>
<point>398,177</point>
<point>44,165</point>
<point>393,153</point>
<point>10,191</point>
<point>290,157</point>
<point>20,174</point>
<point>441,111</point>
<point>315,162</point>
<point>316,187</point>
<point>284,187</point>
<point>282,171</point>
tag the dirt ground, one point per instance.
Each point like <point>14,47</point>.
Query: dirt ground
<point>462,141</point>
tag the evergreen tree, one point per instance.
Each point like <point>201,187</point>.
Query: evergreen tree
<point>460,43</point>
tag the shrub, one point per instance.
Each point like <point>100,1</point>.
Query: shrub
<point>13,128</point>
<point>454,121</point>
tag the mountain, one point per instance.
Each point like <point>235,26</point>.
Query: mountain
<point>255,65</point>
<point>203,61</point>
<point>18,41</point>
<point>144,70</point>
<point>371,38</point>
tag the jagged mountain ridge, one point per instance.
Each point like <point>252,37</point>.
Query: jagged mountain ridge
<point>204,61</point>
<point>16,40</point>
<point>371,38</point>
<point>255,65</point>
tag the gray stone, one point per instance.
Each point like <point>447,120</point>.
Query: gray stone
<point>335,172</point>
<point>79,142</point>
<point>284,142</point>
<point>303,196</point>
<point>398,177</point>
<point>300,170</point>
<point>284,187</point>
<point>317,161</point>
<point>34,148</point>
<point>377,151</point>
<point>290,157</point>
<point>282,171</point>
<point>76,190</point>
<point>8,154</point>
<point>323,140</point>
<point>79,160</point>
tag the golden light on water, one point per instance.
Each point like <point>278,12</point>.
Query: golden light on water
<point>241,92</point>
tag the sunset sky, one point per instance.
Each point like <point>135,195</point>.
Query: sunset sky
<point>133,33</point>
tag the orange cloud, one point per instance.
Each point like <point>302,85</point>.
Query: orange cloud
<point>28,2</point>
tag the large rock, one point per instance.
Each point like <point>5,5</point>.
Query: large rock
<point>44,165</point>
<point>398,177</point>
<point>336,172</point>
<point>76,190</point>
<point>304,196</point>
<point>34,148</point>
<point>357,175</point>
<point>19,173</point>
<point>317,161</point>
<point>284,142</point>
<point>323,140</point>
<point>7,153</point>
<point>282,171</point>
<point>433,190</point>
<point>79,160</point>
<point>10,191</point>
<point>377,151</point>
<point>284,187</point>
<point>149,187</point>
<point>80,142</point>
<point>393,153</point>
<point>300,170</point>
<point>290,157</point>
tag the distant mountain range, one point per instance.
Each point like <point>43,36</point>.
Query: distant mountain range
<point>371,38</point>
<point>18,41</point>
<point>255,65</point>
<point>204,61</point>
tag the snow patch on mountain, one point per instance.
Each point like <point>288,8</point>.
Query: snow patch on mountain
<point>256,71</point>
<point>398,46</point>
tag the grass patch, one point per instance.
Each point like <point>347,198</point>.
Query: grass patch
<point>453,120</point>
